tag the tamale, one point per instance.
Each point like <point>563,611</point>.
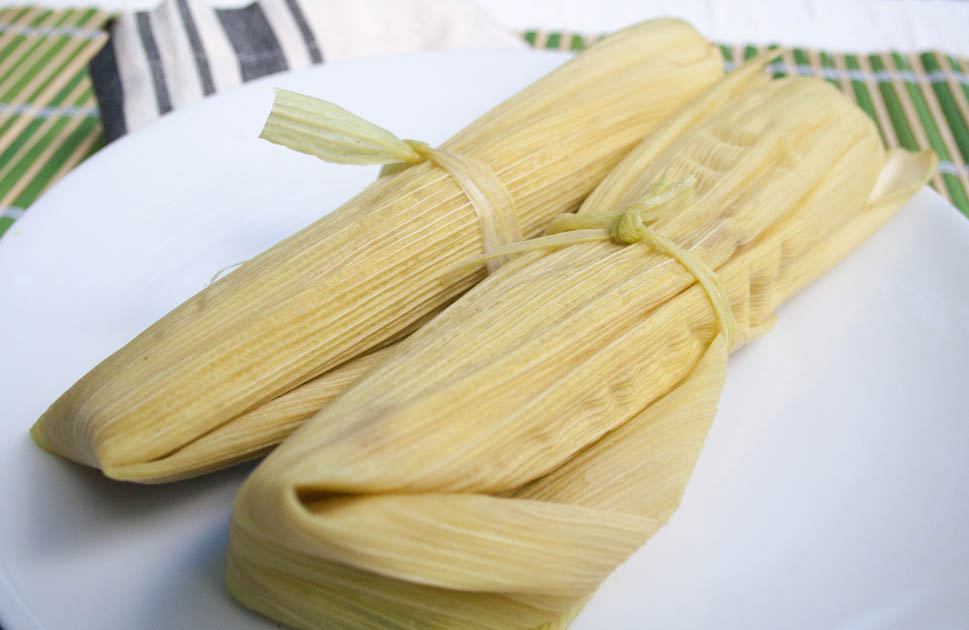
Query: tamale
<point>358,277</point>
<point>508,455</point>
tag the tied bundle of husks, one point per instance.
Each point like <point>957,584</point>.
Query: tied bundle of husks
<point>217,380</point>
<point>509,454</point>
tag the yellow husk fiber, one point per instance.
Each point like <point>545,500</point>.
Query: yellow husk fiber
<point>509,454</point>
<point>361,276</point>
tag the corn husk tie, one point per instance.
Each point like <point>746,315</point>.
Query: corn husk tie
<point>331,133</point>
<point>628,226</point>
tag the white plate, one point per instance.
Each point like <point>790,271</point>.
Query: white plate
<point>831,492</point>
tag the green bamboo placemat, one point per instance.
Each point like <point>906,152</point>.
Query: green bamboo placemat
<point>48,114</point>
<point>49,120</point>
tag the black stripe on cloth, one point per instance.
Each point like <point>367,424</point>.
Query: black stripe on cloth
<point>252,38</point>
<point>198,50</point>
<point>106,80</point>
<point>154,62</point>
<point>304,28</point>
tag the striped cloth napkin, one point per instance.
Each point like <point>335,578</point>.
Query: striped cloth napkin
<point>184,50</point>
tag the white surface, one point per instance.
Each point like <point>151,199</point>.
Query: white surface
<point>830,493</point>
<point>851,25</point>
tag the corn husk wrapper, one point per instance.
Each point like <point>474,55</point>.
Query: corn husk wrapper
<point>165,406</point>
<point>508,455</point>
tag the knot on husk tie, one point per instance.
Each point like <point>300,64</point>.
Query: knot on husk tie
<point>627,226</point>
<point>633,225</point>
<point>333,134</point>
